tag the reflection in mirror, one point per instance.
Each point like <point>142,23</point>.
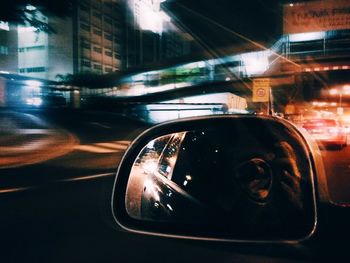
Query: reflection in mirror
<point>240,182</point>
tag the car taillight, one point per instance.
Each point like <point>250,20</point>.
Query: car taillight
<point>334,130</point>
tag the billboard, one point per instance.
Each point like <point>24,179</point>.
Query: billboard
<point>316,16</point>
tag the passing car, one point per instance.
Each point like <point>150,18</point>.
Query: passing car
<point>327,132</point>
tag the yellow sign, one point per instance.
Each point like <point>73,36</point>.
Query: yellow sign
<point>261,90</point>
<point>316,16</point>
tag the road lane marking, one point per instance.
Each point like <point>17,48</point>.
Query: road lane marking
<point>112,145</point>
<point>81,178</point>
<point>28,131</point>
<point>100,125</point>
<point>12,190</point>
<point>87,177</point>
<point>93,149</point>
<point>105,147</point>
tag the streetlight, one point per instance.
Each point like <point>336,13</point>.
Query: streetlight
<point>345,90</point>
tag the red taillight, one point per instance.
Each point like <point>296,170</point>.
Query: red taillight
<point>334,130</point>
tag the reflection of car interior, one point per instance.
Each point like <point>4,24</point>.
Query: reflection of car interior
<point>327,132</point>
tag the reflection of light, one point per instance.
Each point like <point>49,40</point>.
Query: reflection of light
<point>33,83</point>
<point>333,104</point>
<point>346,87</point>
<point>150,17</point>
<point>151,144</point>
<point>150,166</point>
<point>333,91</point>
<point>26,29</point>
<point>169,207</point>
<point>30,7</point>
<point>255,62</point>
<point>34,101</point>
<point>320,104</point>
<point>188,178</point>
<point>306,36</point>
<point>149,187</point>
<point>4,26</point>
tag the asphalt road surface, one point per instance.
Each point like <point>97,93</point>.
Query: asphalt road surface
<point>55,207</point>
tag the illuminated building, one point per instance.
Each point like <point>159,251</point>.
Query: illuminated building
<point>8,51</point>
<point>88,41</point>
<point>98,29</point>
<point>151,37</point>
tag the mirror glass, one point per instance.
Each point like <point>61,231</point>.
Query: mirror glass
<point>227,181</point>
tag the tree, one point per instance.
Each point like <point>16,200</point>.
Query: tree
<point>25,12</point>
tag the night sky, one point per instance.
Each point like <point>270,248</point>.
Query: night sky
<point>257,20</point>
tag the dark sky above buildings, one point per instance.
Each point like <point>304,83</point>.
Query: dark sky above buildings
<point>228,24</point>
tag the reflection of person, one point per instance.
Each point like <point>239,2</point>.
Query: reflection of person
<point>247,177</point>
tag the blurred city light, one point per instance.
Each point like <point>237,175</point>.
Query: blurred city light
<point>33,83</point>
<point>34,101</point>
<point>255,62</point>
<point>150,166</point>
<point>30,7</point>
<point>333,91</point>
<point>4,26</point>
<point>306,36</point>
<point>150,16</point>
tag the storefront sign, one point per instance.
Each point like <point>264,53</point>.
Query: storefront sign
<point>316,16</point>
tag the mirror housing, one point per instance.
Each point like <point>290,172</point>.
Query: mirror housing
<point>230,178</point>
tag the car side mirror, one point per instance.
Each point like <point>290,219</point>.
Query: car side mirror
<point>247,178</point>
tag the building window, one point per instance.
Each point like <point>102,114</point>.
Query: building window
<point>117,24</point>
<point>85,45</point>
<point>97,15</point>
<point>107,4</point>
<point>32,70</point>
<point>85,8</point>
<point>108,20</point>
<point>97,32</point>
<point>98,66</point>
<point>108,69</point>
<point>108,37</point>
<point>98,49</point>
<point>116,55</point>
<point>85,27</point>
<point>117,6</point>
<point>108,53</point>
<point>4,50</point>
<point>33,48</point>
<point>86,63</point>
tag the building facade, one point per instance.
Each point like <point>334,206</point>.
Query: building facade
<point>150,35</point>
<point>98,27</point>
<point>88,41</point>
<point>8,50</point>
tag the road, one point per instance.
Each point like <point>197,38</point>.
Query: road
<point>56,208</point>
<point>337,165</point>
